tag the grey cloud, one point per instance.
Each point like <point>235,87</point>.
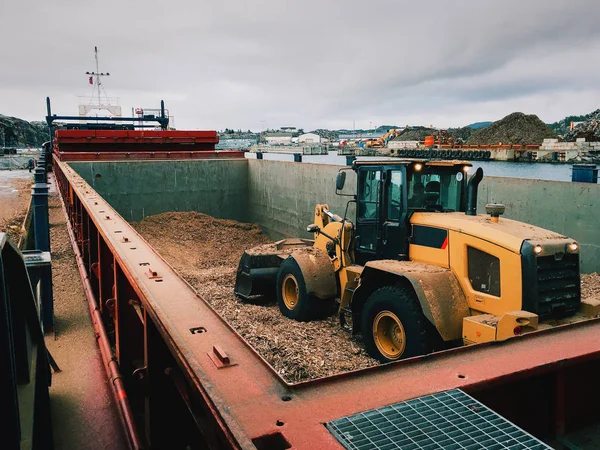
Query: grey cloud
<point>310,64</point>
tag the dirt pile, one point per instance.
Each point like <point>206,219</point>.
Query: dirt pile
<point>589,129</point>
<point>516,128</point>
<point>206,252</point>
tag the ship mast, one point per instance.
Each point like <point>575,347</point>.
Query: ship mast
<point>97,75</point>
<point>104,103</point>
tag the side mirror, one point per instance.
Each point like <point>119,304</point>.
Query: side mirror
<point>340,180</point>
<point>312,228</point>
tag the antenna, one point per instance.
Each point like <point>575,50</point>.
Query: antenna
<point>97,75</point>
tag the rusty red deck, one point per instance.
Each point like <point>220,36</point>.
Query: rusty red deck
<point>227,386</point>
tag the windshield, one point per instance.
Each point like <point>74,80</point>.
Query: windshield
<point>436,189</point>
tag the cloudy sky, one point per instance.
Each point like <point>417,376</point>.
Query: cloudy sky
<point>252,64</point>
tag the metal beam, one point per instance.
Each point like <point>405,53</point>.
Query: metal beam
<point>149,155</point>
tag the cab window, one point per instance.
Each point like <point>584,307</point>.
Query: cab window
<point>440,191</point>
<point>484,271</point>
<point>394,196</point>
<point>368,209</point>
<point>368,204</point>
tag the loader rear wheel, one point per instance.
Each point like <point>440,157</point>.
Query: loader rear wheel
<point>394,327</point>
<point>293,300</point>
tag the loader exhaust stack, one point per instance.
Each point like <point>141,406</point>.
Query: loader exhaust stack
<point>472,192</point>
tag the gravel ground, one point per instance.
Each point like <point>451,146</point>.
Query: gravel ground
<point>15,195</point>
<point>206,252</point>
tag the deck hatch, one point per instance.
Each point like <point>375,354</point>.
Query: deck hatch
<point>446,420</point>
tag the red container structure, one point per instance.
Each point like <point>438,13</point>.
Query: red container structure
<point>89,145</point>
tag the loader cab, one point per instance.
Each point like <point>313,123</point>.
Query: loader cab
<point>388,193</point>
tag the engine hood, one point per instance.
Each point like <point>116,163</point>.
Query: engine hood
<point>506,233</point>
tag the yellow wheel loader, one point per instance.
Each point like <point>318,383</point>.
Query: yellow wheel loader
<point>418,269</point>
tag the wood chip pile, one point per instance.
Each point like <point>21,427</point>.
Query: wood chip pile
<point>590,286</point>
<point>206,252</point>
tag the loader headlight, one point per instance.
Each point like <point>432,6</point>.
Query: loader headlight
<point>537,249</point>
<point>573,247</point>
<point>418,167</point>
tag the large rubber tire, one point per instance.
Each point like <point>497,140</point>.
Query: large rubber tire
<point>293,300</point>
<point>415,336</point>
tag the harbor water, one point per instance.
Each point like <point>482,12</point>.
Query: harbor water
<point>541,171</point>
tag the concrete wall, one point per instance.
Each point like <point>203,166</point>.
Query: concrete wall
<point>572,209</point>
<point>142,188</point>
<point>280,196</point>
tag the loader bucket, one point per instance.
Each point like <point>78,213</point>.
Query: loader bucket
<point>256,275</point>
<point>259,266</point>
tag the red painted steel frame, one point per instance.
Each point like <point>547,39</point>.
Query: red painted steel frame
<point>170,343</point>
<point>134,136</point>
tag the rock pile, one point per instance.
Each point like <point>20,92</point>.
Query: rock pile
<point>589,129</point>
<point>327,134</point>
<point>461,135</point>
<point>414,134</point>
<point>450,136</point>
<point>516,128</point>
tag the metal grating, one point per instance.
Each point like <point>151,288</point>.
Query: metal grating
<point>449,420</point>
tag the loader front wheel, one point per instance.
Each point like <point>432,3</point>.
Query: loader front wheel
<point>394,327</point>
<point>293,300</point>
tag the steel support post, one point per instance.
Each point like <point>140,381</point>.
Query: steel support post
<point>42,165</point>
<point>41,232</point>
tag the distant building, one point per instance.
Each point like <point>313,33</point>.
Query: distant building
<point>278,138</point>
<point>309,138</point>
<point>288,130</point>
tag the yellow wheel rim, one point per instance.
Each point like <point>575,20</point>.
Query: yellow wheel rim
<point>290,291</point>
<point>389,335</point>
